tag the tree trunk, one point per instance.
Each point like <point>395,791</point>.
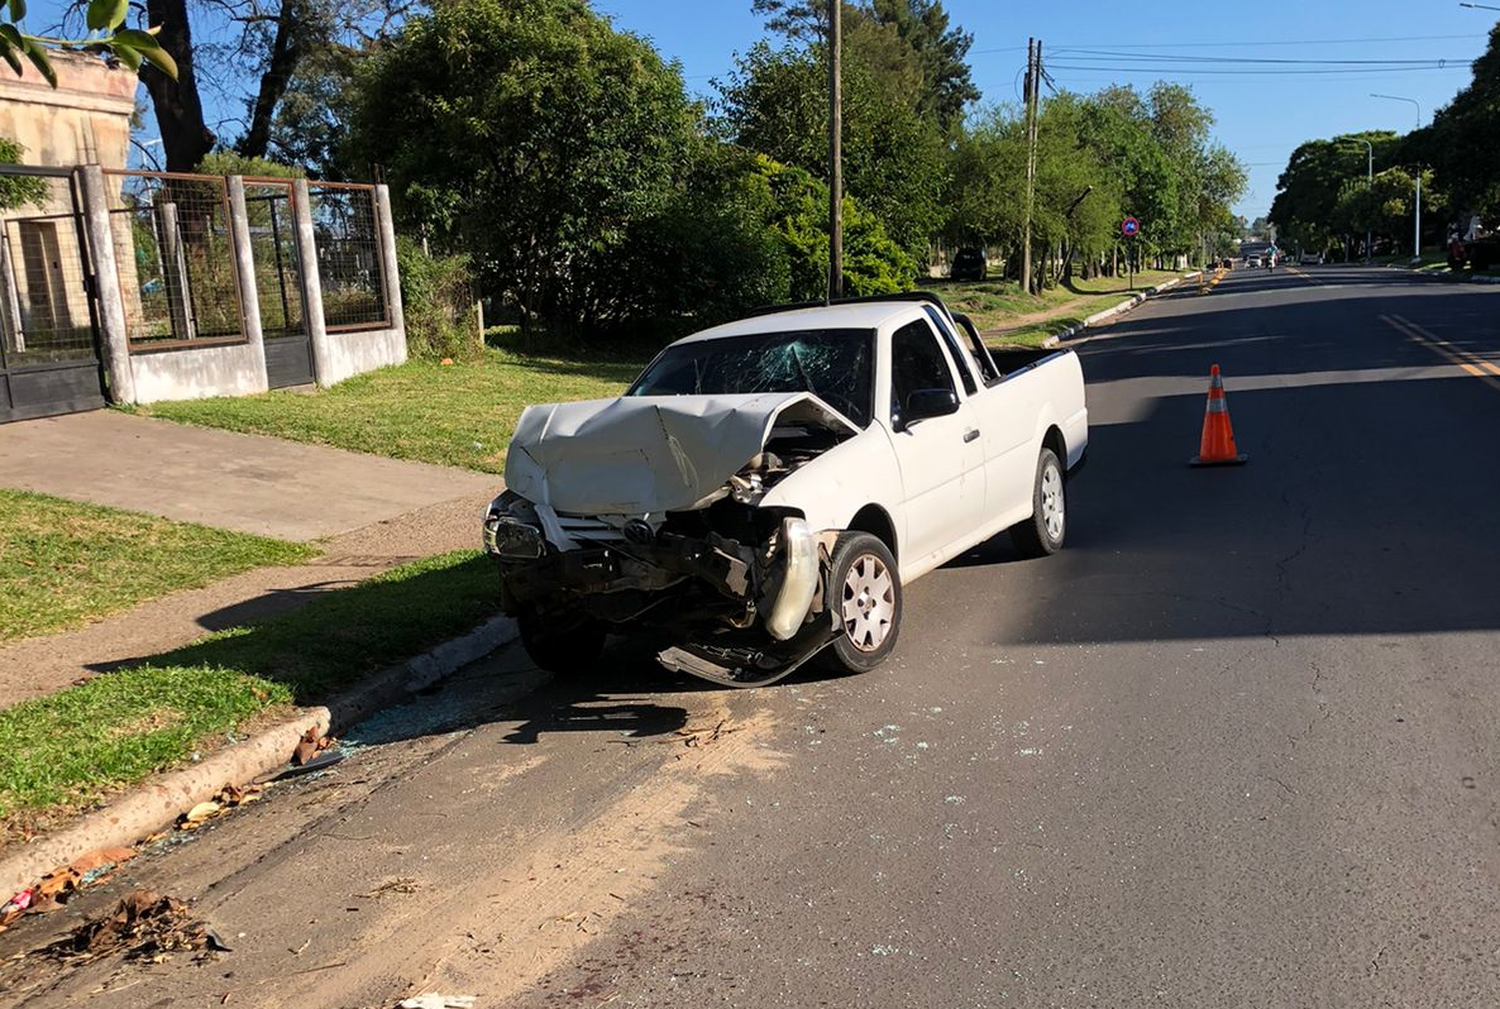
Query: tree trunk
<point>185,137</point>
<point>286,53</point>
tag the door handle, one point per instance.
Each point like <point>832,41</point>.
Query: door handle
<point>971,434</point>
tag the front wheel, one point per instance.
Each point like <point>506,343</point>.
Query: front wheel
<point>563,645</point>
<point>1043,533</point>
<point>867,601</point>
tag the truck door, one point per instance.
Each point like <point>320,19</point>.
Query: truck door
<point>941,458</point>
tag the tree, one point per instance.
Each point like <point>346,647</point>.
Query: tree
<point>532,135</point>
<point>1305,210</point>
<point>1463,138</point>
<point>928,43</point>
<point>17,191</point>
<point>894,156</point>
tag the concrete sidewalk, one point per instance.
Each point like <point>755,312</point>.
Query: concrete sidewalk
<point>369,513</point>
<point>250,483</point>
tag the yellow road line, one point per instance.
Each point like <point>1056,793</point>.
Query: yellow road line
<point>1443,348</point>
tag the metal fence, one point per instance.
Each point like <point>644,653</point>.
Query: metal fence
<point>175,258</point>
<point>349,265</point>
<point>45,310</point>
<point>273,227</point>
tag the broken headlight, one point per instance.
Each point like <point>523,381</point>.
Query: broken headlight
<point>511,529</point>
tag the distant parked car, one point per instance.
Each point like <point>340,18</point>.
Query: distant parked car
<point>1311,259</point>
<point>970,264</point>
<point>1253,261</point>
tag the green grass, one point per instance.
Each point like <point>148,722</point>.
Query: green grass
<point>64,752</point>
<point>64,564</point>
<point>1030,318</point>
<point>457,415</point>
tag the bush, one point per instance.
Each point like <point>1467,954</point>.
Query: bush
<point>437,297</point>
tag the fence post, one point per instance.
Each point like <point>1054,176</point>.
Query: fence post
<point>114,340</point>
<point>174,270</point>
<point>244,268</point>
<point>390,273</point>
<point>311,284</point>
<point>10,298</point>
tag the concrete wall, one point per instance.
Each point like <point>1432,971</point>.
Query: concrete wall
<point>198,372</point>
<point>350,354</point>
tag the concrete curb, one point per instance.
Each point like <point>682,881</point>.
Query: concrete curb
<point>157,803</point>
<point>1122,307</point>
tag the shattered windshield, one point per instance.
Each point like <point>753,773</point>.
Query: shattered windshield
<point>833,364</point>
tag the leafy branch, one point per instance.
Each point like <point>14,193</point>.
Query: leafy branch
<point>106,37</point>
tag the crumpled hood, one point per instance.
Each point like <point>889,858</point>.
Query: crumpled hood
<point>641,454</point>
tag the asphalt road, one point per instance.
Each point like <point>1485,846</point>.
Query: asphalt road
<point>1236,746</point>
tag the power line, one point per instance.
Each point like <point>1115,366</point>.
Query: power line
<point>1168,57</point>
<point>1188,73</point>
<point>1270,42</point>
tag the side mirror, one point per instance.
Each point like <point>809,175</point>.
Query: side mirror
<point>925,403</point>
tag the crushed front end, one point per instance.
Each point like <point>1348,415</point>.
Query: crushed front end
<point>628,517</point>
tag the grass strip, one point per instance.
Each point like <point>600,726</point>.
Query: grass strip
<point>64,564</point>
<point>61,753</point>
<point>461,414</point>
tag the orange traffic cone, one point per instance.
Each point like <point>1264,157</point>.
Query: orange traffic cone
<point>1217,447</point>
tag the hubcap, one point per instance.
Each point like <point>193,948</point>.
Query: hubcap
<point>1054,516</point>
<point>869,603</point>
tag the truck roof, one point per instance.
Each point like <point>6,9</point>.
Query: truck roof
<point>858,315</point>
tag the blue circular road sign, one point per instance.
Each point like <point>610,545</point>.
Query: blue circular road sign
<point>1129,227</point>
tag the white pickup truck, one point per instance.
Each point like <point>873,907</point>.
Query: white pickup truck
<point>762,492</point>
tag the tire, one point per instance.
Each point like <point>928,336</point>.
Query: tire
<point>567,645</point>
<point>866,594</point>
<point>1042,535</point>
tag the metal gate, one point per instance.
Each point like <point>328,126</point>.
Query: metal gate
<point>49,342</point>
<point>268,208</point>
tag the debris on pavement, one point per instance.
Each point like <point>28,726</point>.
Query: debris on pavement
<point>318,763</point>
<point>15,907</point>
<point>401,884</point>
<point>144,925</point>
<point>58,886</point>
<point>228,797</point>
<point>435,1001</point>
<point>309,746</point>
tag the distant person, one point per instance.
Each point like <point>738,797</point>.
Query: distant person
<point>1457,254</point>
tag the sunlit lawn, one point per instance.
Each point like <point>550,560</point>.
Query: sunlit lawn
<point>458,415</point>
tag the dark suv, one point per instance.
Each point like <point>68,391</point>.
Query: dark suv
<point>970,264</point>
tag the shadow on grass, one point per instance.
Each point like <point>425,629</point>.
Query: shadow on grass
<point>334,640</point>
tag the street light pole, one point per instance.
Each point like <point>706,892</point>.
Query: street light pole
<point>1416,245</point>
<point>1369,185</point>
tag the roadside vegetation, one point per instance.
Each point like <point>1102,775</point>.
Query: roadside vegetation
<point>62,753</point>
<point>64,564</point>
<point>1004,313</point>
<point>1326,197</point>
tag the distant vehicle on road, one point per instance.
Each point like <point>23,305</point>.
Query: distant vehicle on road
<point>1254,262</point>
<point>970,264</point>
<point>1311,259</point>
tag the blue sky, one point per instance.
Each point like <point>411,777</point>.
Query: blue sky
<point>1262,116</point>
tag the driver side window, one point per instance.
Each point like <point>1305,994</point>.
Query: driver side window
<point>917,362</point>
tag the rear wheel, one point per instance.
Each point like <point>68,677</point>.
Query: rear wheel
<point>1043,533</point>
<point>866,600</point>
<point>561,644</point>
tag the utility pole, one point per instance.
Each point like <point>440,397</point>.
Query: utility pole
<point>835,152</point>
<point>1033,82</point>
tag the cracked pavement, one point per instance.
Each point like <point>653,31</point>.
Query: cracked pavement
<point>1234,747</point>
